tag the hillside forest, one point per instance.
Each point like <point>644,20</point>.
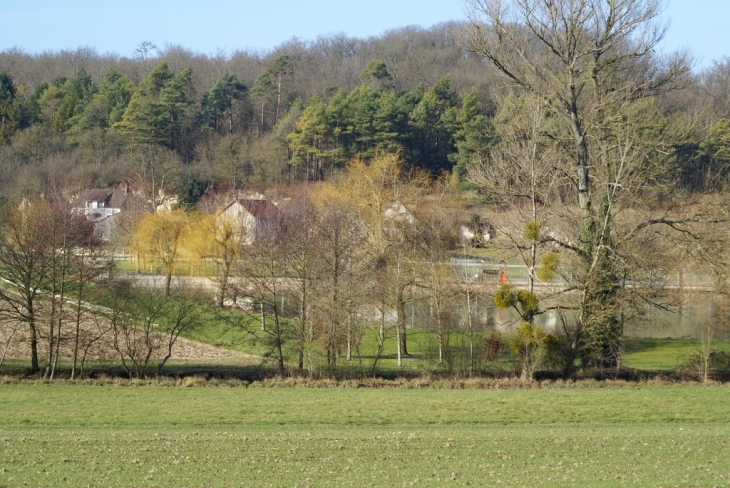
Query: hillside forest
<point>80,119</point>
<point>597,164</point>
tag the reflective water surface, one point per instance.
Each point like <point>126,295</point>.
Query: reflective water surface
<point>678,316</point>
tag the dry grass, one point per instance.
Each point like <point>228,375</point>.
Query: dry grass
<point>101,349</point>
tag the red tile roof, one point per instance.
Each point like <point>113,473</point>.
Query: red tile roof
<point>260,209</point>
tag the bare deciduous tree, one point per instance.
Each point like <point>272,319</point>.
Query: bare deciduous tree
<point>587,61</point>
<point>183,313</point>
<point>260,286</point>
<point>134,315</point>
<point>338,287</point>
<point>49,257</point>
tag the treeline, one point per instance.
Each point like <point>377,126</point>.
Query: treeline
<point>321,286</point>
<point>81,119</point>
<point>318,288</point>
<point>75,119</point>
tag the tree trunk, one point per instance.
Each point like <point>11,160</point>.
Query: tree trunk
<point>381,328</point>
<point>223,283</point>
<point>278,99</point>
<point>34,368</point>
<point>471,333</point>
<point>302,328</point>
<point>401,320</point>
<point>349,338</point>
<point>168,279</point>
<point>76,336</point>
<point>262,117</point>
<point>279,350</point>
<point>60,308</point>
<point>263,315</point>
<point>51,334</point>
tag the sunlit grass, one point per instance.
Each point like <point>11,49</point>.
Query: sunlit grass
<point>154,267</point>
<point>645,435</point>
<point>676,455</point>
<point>662,354</point>
<point>68,405</point>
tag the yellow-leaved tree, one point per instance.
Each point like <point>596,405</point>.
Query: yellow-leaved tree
<point>384,197</point>
<point>161,236</point>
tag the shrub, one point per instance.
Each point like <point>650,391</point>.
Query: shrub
<point>532,345</point>
<point>493,346</point>
<point>705,365</point>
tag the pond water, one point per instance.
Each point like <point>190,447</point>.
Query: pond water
<point>686,317</point>
<point>683,315</point>
<point>679,315</point>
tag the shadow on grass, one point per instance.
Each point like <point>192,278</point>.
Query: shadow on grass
<point>635,344</point>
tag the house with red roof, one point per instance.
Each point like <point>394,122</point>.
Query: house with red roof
<point>250,218</point>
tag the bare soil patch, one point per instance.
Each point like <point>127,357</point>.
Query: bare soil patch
<point>96,343</point>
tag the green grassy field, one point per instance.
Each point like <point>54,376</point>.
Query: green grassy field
<point>573,435</point>
<point>153,266</point>
<point>640,353</point>
<point>663,354</point>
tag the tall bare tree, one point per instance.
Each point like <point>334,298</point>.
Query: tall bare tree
<point>260,281</point>
<point>24,267</point>
<point>183,313</point>
<point>134,315</point>
<point>66,233</point>
<point>339,266</point>
<point>303,251</point>
<point>587,61</point>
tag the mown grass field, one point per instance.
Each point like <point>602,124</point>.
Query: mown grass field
<point>569,435</point>
<point>640,353</point>
<point>663,354</point>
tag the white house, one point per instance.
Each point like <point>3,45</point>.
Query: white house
<point>250,218</point>
<point>101,206</point>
